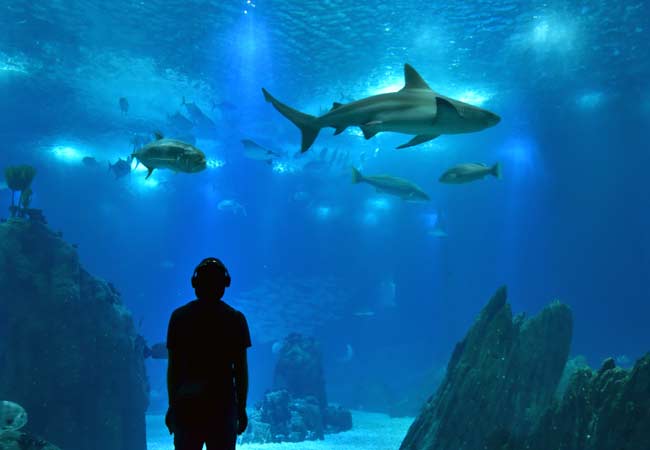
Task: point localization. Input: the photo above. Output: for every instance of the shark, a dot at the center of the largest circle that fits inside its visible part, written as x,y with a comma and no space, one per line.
415,110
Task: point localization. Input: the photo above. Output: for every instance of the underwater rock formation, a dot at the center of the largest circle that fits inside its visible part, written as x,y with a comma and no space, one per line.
296,409
68,347
300,369
604,410
506,389
15,440
500,376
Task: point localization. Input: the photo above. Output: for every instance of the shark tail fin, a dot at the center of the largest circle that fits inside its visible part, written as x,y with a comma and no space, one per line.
306,122
496,171
356,176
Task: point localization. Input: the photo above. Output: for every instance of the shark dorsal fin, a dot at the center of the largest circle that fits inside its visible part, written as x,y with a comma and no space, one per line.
336,105
158,135
413,80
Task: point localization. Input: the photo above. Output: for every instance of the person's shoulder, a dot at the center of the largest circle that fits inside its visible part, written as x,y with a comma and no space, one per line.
231,310
183,310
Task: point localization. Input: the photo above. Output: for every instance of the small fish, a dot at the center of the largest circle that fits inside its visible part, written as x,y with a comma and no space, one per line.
139,141
364,314
89,161
170,154
124,105
466,173
255,151
156,351
300,196
121,168
232,206
387,184
197,116
12,416
179,122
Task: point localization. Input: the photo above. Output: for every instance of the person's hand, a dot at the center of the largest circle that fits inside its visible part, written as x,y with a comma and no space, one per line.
242,421
169,421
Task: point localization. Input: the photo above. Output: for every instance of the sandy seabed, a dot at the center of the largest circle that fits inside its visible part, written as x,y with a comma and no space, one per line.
371,431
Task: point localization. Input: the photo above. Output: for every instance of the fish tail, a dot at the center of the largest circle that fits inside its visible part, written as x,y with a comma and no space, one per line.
306,122
496,171
356,176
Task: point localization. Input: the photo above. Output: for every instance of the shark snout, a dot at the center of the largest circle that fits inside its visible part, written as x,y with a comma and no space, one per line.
492,119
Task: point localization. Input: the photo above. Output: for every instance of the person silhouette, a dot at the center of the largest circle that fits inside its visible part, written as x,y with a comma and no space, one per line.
207,372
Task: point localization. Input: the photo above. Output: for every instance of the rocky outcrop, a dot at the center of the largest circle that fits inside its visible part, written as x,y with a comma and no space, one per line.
68,347
499,379
16,440
296,409
300,369
608,409
505,389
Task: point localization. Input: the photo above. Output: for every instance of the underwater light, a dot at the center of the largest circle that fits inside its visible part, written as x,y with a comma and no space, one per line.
590,100
323,212
540,32
394,84
379,204
215,163
370,218
279,167
474,97
67,153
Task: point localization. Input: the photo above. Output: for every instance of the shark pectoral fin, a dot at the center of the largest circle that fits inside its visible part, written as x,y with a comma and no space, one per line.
368,131
339,130
149,172
419,139
413,80
443,103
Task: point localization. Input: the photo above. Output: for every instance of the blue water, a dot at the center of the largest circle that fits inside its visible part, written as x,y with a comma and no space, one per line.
313,253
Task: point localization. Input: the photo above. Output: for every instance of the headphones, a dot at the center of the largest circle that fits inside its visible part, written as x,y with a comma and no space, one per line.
199,272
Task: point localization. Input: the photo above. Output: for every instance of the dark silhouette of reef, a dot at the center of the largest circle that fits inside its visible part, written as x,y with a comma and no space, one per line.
16,440
69,352
296,409
501,391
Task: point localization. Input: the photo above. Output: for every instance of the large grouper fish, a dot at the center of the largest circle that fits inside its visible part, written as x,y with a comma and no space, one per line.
170,154
416,110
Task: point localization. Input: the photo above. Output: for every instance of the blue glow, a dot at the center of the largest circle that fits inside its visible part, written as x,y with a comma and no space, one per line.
379,204
519,156
215,163
67,153
476,98
282,168
323,212
590,100
370,218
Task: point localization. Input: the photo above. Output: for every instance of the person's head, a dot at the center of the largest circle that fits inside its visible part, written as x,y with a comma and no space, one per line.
210,279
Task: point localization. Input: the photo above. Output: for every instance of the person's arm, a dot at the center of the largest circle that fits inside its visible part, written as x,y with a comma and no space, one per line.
241,378
172,376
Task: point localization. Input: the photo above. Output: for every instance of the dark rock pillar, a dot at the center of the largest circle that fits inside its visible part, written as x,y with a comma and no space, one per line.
499,379
68,348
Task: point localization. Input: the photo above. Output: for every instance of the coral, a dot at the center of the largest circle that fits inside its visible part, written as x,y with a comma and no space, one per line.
68,350
296,409
19,178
